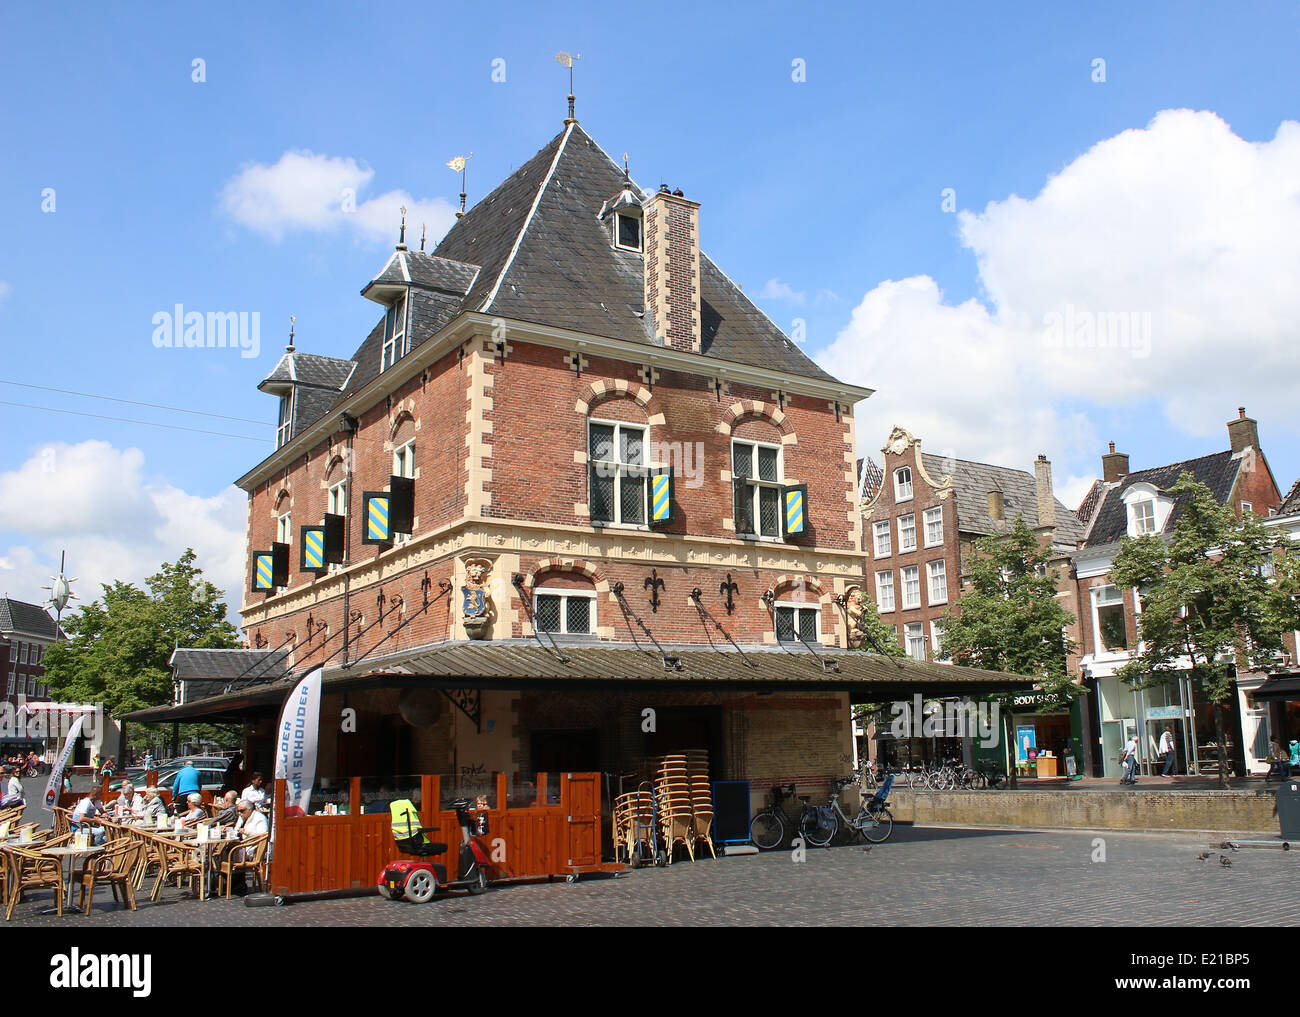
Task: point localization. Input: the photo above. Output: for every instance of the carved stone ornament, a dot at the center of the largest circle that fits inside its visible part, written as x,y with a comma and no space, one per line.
855,610
477,611
899,442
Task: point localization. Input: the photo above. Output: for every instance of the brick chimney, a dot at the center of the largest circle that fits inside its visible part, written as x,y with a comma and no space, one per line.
1114,465
1046,499
997,509
1243,431
672,269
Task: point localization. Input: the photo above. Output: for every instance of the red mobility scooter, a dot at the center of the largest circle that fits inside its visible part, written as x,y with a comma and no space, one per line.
420,881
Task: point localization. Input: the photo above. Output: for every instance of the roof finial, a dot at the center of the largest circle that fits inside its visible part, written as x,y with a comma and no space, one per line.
289,348
566,60
627,177
458,165
401,240
423,227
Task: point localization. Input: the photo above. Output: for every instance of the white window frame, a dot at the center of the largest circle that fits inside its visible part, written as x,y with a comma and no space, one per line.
901,486
936,521
22,652
284,430
883,529
936,639
757,485
618,243
565,595
336,498
403,466
1247,507
284,528
883,588
931,573
908,602
621,470
394,345
1144,517
1099,647
914,632
813,608
903,546
13,682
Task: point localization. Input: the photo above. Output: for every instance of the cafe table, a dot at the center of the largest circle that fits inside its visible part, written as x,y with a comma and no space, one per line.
204,847
66,853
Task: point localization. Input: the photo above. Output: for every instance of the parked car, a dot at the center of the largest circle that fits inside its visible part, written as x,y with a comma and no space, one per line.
136,774
210,778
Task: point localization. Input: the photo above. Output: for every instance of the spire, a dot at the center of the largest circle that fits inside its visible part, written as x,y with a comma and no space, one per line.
401,240
289,348
457,165
566,60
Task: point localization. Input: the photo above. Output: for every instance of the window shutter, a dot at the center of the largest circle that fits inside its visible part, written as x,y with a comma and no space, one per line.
335,538
794,515
263,572
374,517
661,497
279,564
401,506
311,549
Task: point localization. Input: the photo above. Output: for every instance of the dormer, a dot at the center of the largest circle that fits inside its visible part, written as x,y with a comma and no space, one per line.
1148,508
623,217
305,383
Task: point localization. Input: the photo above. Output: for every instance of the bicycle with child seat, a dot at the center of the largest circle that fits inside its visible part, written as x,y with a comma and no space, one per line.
816,825
873,822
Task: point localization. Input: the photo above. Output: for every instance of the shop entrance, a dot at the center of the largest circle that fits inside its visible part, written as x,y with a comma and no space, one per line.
564,751
679,728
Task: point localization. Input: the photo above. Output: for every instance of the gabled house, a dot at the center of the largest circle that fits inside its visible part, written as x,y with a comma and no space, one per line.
1125,503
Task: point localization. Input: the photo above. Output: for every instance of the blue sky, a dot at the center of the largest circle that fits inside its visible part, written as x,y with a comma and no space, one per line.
816,195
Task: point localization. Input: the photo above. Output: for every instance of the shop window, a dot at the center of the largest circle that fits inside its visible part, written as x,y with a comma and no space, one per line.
1108,620
794,618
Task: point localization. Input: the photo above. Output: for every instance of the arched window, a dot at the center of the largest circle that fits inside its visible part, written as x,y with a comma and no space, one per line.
903,484
565,604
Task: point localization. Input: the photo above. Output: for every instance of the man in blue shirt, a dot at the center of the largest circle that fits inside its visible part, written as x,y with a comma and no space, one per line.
186,783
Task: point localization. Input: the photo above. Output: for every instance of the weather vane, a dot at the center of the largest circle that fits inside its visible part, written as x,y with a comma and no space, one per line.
60,590
566,60
401,240
457,165
289,348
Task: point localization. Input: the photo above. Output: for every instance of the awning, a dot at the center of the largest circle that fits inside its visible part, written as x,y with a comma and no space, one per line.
1285,687
523,664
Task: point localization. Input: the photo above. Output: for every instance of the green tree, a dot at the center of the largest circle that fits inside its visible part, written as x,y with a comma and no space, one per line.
880,638
1207,595
1009,618
118,647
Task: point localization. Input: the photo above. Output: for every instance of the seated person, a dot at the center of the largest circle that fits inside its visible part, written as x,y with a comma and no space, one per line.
151,805
194,810
86,817
228,814
408,834
13,789
128,804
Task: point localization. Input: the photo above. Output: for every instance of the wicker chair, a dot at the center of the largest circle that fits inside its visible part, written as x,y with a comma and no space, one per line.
238,860
62,821
116,867
30,870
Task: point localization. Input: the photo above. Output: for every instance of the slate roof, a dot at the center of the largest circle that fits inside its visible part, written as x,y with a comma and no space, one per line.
1090,502
870,477
212,672
535,250
868,677
1291,503
972,483
1218,472
32,619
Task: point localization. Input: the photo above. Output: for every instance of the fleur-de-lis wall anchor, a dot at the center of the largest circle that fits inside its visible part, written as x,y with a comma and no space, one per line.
654,584
425,585
729,589
259,640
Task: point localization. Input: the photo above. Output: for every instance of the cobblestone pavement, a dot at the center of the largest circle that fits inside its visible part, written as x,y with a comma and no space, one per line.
921,876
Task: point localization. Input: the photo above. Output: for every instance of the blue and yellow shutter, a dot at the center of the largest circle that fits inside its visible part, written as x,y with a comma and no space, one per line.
375,518
661,497
311,554
263,572
794,514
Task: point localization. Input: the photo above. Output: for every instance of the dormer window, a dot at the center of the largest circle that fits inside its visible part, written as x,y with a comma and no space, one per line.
1148,508
627,232
394,347
285,431
1144,517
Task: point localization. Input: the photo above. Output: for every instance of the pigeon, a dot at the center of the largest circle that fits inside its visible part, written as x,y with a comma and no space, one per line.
1230,844
1202,856
1225,862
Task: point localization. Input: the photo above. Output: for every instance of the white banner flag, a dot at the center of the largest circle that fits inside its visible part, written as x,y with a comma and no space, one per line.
55,786
295,752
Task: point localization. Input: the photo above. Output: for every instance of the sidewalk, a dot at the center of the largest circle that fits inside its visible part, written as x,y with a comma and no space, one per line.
1195,783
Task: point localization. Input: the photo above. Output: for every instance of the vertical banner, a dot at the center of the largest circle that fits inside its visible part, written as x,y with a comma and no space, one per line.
55,785
295,750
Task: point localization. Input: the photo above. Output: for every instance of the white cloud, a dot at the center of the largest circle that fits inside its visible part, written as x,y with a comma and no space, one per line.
1182,223
320,193
94,501
775,289
4,289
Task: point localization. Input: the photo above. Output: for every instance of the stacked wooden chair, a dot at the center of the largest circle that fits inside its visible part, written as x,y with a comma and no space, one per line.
674,806
697,771
635,836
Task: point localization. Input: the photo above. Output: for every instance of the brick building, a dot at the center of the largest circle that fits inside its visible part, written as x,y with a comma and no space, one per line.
572,475
1129,504
920,524
26,631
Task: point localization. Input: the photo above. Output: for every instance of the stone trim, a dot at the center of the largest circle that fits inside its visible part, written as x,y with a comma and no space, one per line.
774,415
612,388
478,397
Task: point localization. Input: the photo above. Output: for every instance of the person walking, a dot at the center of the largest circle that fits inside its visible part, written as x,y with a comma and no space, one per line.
1168,754
187,782
1130,758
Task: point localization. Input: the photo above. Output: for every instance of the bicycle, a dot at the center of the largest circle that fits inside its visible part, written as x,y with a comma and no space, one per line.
767,828
874,822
